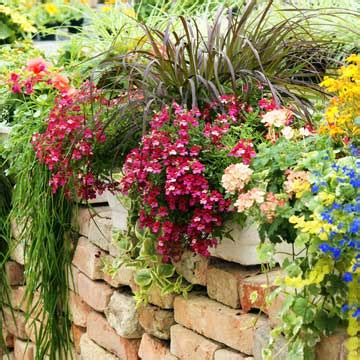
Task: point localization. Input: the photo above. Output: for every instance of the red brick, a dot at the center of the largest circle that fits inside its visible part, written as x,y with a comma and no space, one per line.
24,350
188,345
154,349
77,333
218,322
15,273
260,285
79,309
88,258
17,327
193,267
104,335
223,280
97,294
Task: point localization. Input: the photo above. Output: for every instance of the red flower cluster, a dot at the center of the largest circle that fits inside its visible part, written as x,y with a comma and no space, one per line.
177,202
67,145
37,72
245,150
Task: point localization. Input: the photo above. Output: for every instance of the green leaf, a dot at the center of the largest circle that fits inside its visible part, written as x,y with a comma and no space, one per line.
303,308
5,31
143,277
166,270
301,240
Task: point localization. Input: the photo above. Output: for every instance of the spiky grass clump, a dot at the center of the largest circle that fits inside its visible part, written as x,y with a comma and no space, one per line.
45,220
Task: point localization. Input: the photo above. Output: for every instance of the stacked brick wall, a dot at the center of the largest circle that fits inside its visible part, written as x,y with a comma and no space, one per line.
224,318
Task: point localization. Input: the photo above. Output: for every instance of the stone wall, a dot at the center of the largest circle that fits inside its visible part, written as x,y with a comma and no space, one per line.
224,318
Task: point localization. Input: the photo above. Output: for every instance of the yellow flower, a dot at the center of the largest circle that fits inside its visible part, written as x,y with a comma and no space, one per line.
51,9
344,108
129,11
18,19
316,275
106,8
326,198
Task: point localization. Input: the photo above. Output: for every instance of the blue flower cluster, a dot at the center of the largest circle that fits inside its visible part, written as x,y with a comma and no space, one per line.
344,215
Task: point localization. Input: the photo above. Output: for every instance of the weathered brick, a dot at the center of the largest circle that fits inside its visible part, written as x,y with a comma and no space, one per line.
32,327
84,215
259,285
122,315
8,338
154,349
92,351
228,354
15,322
114,250
73,279
17,295
223,280
155,297
261,341
97,294
77,332
156,321
88,259
79,309
273,310
15,273
18,253
9,356
188,345
20,302
104,335
16,228
193,267
24,350
100,232
123,276
218,322
333,347
119,213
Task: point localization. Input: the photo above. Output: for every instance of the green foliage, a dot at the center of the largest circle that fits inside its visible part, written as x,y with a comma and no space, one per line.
138,251
322,282
45,223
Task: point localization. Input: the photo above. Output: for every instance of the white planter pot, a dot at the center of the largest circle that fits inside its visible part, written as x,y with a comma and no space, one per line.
242,249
